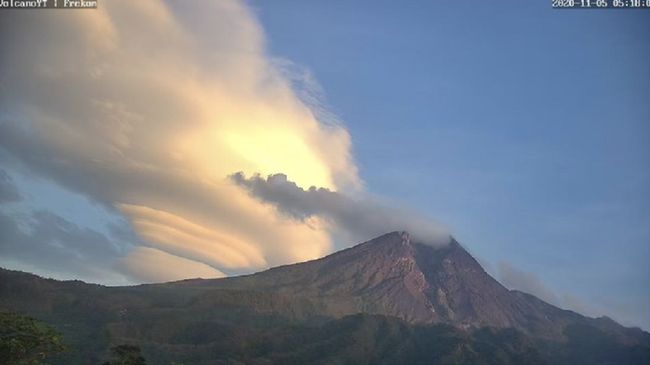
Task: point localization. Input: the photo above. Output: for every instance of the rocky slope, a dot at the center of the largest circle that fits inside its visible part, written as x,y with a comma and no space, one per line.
381,296
392,275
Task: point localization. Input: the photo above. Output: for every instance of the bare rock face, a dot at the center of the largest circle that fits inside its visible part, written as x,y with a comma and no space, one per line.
392,275
380,276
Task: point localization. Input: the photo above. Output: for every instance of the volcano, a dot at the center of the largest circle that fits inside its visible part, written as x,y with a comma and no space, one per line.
394,276
388,294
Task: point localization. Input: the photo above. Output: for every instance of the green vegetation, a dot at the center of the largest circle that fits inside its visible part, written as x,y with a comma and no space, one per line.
360,339
26,341
126,355
173,324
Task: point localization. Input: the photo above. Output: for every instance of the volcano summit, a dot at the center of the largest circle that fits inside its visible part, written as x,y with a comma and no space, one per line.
387,300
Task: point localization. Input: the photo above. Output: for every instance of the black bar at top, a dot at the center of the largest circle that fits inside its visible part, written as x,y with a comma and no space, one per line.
48,4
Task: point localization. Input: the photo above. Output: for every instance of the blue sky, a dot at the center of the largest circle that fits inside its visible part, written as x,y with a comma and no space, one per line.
523,128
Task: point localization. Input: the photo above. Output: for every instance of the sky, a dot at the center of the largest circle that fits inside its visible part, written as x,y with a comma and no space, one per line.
162,140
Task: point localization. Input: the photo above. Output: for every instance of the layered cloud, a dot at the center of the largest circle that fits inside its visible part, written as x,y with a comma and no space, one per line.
145,263
43,242
147,107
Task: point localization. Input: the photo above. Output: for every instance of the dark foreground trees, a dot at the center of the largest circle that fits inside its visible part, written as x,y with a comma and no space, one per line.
26,341
126,355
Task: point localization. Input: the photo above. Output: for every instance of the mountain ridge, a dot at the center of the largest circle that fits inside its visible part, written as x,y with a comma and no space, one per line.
395,276
359,288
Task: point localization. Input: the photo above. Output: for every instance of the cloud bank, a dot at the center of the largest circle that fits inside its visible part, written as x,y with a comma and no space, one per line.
146,107
46,243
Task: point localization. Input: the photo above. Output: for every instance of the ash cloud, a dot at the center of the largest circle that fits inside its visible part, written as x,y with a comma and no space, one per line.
353,219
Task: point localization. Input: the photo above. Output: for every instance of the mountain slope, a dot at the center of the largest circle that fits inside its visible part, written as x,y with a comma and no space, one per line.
380,296
391,275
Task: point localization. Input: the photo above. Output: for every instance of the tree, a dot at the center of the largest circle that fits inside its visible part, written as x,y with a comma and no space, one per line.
126,355
26,341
